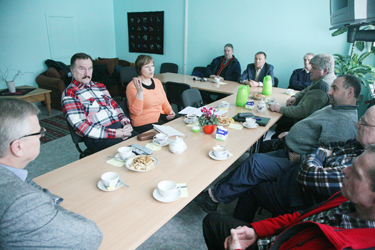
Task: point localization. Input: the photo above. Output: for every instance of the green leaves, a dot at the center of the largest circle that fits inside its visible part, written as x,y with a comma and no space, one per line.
339,31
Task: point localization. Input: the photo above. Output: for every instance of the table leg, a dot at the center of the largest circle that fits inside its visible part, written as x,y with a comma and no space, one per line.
48,102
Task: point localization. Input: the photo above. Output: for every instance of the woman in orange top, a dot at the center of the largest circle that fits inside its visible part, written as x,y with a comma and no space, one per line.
147,100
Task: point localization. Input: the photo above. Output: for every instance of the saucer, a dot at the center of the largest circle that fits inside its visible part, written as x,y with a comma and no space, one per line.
103,188
211,154
244,124
118,157
162,145
160,198
186,120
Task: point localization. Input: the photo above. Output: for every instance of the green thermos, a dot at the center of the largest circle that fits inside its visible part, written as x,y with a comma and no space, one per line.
267,85
242,95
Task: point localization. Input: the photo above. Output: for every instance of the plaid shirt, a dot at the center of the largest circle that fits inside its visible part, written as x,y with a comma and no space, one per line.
335,217
89,108
323,175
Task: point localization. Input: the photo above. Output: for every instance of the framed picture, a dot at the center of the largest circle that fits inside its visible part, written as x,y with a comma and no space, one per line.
146,32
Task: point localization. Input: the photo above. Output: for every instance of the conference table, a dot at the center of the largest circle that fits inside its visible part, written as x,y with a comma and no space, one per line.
128,216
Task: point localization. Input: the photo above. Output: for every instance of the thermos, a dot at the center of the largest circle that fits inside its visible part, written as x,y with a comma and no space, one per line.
242,95
267,85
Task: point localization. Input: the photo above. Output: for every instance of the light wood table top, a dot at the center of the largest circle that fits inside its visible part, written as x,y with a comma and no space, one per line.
229,87
128,216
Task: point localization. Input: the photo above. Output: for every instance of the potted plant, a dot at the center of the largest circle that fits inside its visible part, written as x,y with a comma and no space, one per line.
4,77
208,120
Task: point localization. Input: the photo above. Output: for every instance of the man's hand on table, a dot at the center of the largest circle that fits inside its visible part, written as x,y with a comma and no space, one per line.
240,238
291,101
275,108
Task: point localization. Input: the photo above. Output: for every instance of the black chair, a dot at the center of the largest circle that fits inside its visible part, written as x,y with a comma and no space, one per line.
276,81
192,98
174,91
200,69
168,67
124,107
127,74
78,139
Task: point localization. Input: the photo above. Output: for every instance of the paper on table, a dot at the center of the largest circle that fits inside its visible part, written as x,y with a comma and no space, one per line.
116,163
197,111
235,126
153,147
184,192
167,130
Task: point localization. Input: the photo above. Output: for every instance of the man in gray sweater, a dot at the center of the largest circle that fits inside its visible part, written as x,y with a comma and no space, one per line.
30,216
311,99
332,123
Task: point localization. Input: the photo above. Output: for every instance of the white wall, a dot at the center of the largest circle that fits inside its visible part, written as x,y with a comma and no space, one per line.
24,40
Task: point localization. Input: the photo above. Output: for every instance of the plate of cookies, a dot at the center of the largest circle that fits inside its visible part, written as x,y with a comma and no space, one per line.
141,163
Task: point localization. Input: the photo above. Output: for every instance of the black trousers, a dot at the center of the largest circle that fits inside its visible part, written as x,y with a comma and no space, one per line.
216,227
281,196
95,145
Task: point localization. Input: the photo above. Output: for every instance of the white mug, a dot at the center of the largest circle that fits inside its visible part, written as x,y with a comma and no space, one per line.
125,152
161,138
216,79
271,101
250,122
220,152
290,91
167,188
110,179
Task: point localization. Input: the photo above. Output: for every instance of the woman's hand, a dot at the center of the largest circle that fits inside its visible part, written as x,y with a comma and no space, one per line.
171,115
139,87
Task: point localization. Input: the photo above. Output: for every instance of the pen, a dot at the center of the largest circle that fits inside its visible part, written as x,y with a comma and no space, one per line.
258,119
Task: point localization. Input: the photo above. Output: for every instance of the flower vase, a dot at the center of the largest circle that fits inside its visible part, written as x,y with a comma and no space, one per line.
209,129
11,86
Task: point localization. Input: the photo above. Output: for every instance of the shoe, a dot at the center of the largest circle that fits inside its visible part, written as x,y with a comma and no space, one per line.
205,202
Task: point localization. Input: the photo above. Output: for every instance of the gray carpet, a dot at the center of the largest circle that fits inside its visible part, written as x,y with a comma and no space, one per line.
183,231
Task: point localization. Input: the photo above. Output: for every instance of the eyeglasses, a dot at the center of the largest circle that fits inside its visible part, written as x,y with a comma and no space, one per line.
42,133
364,124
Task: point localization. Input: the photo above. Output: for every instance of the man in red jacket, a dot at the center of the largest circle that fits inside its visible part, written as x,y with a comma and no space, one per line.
346,220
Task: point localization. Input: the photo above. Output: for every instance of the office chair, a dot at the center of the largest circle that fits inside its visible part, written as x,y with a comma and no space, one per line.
174,91
78,139
192,98
201,70
126,74
168,67
276,81
124,107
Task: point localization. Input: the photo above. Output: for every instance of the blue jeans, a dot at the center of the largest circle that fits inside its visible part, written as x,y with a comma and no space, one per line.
257,168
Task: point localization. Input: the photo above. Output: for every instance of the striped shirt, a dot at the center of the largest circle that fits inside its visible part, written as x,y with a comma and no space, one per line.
90,109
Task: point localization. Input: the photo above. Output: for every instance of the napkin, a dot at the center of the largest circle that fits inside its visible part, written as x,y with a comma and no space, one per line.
192,124
116,163
236,126
153,147
221,83
184,192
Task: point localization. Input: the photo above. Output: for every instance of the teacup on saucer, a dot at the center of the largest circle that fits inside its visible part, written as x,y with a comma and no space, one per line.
157,143
253,126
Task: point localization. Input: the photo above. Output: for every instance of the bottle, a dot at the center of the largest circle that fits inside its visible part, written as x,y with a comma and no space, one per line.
242,95
267,85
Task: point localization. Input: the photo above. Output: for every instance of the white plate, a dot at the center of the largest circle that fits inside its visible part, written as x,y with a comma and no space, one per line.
226,124
161,145
185,120
160,198
118,157
103,188
130,161
244,124
257,98
211,154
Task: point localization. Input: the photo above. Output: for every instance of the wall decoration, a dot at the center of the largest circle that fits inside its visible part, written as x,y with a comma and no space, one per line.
146,32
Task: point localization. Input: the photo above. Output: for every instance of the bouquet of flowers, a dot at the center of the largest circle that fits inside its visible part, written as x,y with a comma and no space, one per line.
208,117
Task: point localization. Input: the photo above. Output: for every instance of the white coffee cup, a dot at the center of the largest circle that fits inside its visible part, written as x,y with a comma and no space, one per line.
250,122
167,188
216,79
290,91
125,152
110,179
191,118
224,104
271,101
161,138
220,152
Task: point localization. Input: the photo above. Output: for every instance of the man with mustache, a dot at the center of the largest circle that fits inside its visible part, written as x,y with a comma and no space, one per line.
90,109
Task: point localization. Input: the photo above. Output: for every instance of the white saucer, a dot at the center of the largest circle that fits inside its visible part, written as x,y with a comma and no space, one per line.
162,145
118,157
103,188
211,154
221,107
186,120
256,125
160,198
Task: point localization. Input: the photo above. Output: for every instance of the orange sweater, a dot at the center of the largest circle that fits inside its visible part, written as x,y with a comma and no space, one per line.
148,110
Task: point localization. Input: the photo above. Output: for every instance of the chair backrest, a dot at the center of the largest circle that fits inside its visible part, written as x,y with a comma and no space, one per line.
276,81
174,91
192,98
124,107
168,67
78,139
200,69
127,74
